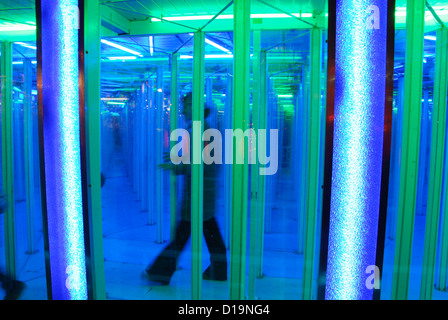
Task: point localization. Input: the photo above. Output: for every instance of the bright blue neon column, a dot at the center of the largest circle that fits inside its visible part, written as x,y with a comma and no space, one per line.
361,38
61,144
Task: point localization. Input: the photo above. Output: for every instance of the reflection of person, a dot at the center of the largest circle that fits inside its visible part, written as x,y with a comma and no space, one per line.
12,287
165,264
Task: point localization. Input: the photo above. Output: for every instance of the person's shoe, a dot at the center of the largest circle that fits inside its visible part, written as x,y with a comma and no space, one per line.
214,275
14,290
156,279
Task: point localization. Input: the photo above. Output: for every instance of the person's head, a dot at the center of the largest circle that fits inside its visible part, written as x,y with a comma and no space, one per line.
187,103
187,109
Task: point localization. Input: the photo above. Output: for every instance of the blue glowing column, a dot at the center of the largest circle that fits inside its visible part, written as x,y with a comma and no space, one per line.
60,135
360,83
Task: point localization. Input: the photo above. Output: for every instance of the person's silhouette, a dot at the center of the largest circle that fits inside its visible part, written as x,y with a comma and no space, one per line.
165,264
12,287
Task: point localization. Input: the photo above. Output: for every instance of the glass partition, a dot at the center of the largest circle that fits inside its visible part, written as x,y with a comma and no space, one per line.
421,214
29,248
136,193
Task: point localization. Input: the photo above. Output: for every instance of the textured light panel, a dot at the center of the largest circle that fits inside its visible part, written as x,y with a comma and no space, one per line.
360,83
60,90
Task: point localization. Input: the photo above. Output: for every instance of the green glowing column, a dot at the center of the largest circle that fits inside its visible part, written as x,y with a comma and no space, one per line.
240,172
197,172
436,175
92,63
29,154
7,156
410,147
313,160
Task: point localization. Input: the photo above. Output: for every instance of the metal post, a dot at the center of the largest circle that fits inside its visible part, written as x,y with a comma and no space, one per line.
92,63
209,100
152,200
8,157
304,133
395,161
410,147
313,157
423,165
436,169
29,154
240,171
197,165
261,178
144,146
270,180
443,261
174,113
228,167
254,172
159,153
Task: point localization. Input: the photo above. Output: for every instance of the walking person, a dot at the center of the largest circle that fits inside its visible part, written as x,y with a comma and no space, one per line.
12,287
164,266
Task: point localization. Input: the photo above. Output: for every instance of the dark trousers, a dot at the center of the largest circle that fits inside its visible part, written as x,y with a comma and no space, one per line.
164,266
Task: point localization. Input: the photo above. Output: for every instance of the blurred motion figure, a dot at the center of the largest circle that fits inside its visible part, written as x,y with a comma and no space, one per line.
164,266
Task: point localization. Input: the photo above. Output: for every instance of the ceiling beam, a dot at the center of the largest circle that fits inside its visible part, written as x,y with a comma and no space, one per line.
114,21
147,27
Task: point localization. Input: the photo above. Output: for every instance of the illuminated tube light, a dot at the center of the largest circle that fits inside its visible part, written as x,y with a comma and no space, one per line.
218,56
21,62
230,16
61,146
359,104
122,58
114,99
115,45
21,27
210,42
151,45
23,44
209,56
432,38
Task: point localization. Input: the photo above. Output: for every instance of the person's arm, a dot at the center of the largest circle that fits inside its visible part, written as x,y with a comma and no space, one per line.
179,169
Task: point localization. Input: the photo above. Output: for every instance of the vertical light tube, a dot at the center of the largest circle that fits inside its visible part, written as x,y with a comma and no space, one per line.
360,83
59,111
